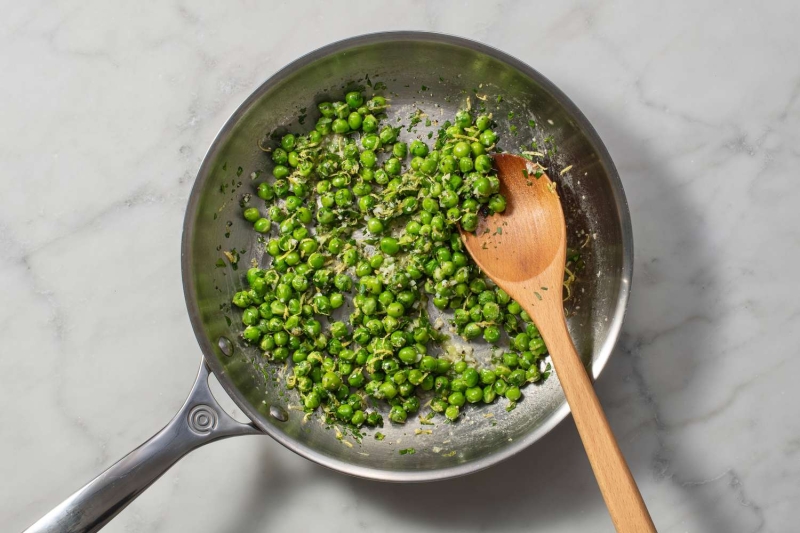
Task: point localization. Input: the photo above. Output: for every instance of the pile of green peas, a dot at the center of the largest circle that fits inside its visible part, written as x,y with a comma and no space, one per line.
355,214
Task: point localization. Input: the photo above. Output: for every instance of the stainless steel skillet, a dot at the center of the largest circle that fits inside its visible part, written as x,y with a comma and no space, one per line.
436,73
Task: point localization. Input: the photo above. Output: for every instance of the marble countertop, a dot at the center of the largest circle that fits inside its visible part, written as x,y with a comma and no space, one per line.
106,110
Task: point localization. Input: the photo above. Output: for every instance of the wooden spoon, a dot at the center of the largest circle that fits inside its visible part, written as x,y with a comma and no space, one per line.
523,250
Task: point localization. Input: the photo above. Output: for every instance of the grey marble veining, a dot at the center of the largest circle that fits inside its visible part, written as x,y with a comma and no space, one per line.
107,109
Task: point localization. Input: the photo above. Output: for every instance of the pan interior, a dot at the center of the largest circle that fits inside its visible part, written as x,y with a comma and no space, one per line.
436,74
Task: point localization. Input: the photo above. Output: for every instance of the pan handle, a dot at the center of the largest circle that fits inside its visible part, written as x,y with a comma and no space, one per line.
201,420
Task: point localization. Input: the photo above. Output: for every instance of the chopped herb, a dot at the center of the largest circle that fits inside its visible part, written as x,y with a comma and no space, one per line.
380,86
510,115
424,88
379,436
499,98
220,263
532,123
239,171
408,451
538,296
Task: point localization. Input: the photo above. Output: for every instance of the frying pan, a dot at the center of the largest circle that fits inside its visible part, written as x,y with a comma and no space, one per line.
438,74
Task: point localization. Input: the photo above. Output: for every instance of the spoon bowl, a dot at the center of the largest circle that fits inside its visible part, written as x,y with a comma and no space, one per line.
529,238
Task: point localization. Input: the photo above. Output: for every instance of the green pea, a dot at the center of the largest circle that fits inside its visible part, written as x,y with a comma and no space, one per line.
262,225
533,374
510,359
326,109
439,405
447,164
251,214
513,393
411,404
331,381
388,245
344,412
374,226
356,379
251,334
392,166
400,150
489,394
337,300
472,330
250,316
428,364
471,377
368,158
461,149
369,124
388,135
265,191
354,121
395,310
497,203
398,415
487,137
456,398
469,222
312,401
408,355
517,377
428,166
474,394
241,299
354,99
491,334
415,376
370,141
452,412
400,378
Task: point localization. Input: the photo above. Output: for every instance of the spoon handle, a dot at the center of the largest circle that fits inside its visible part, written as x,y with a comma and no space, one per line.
623,499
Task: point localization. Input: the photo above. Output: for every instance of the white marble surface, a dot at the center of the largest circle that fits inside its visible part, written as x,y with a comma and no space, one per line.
106,109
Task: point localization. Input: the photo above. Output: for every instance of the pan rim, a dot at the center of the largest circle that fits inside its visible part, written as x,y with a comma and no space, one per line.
204,173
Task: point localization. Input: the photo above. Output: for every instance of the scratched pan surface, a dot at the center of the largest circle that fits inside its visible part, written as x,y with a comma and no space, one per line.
436,74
